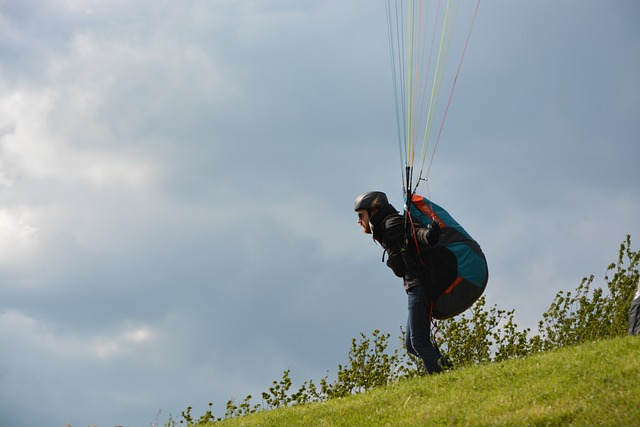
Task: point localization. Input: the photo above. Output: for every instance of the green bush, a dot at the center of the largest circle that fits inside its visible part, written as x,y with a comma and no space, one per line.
590,316
482,336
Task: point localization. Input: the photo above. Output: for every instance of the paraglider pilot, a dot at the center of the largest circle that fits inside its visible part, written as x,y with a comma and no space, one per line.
378,217
634,314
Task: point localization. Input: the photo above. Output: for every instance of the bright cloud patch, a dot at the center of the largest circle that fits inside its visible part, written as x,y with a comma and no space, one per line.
18,237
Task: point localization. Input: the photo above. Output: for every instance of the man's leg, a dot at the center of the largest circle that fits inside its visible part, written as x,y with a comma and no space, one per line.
419,331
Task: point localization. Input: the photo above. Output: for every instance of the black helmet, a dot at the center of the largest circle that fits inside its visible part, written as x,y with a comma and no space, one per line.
371,199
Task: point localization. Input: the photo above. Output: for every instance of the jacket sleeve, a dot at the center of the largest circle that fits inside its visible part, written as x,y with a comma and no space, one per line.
394,234
393,243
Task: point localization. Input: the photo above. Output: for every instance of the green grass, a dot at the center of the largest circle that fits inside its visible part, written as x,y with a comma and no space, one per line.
596,384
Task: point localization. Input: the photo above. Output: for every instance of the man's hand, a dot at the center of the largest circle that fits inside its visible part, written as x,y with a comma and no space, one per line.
396,263
434,233
429,234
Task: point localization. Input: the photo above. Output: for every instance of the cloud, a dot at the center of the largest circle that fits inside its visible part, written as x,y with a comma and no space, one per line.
17,236
40,144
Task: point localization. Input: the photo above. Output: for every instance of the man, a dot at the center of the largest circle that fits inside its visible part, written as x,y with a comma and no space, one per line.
379,218
634,314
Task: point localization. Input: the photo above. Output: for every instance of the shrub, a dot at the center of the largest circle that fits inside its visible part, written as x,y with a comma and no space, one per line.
590,316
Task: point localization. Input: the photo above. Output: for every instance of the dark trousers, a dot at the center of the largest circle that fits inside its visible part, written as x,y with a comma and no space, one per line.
418,337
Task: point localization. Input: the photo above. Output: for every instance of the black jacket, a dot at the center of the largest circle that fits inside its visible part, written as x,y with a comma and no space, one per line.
409,258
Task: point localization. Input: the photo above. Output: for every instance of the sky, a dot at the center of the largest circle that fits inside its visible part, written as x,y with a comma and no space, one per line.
177,182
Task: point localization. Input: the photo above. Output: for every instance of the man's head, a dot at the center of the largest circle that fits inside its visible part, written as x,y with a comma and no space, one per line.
366,205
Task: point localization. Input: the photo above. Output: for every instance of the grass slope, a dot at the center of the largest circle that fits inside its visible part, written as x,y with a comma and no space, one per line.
596,384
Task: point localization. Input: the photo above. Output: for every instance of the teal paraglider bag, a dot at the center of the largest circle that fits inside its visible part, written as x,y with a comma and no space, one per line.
469,280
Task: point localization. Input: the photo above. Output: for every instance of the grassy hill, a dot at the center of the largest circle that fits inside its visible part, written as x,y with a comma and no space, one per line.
596,384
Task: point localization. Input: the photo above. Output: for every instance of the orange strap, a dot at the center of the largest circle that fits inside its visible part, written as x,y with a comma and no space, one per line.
453,285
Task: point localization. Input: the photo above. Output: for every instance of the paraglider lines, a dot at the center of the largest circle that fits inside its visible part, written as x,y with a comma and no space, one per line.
413,29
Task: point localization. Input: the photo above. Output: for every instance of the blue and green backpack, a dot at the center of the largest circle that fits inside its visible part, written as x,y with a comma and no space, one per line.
456,272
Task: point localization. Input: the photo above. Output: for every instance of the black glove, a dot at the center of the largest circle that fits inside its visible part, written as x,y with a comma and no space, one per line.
429,234
396,263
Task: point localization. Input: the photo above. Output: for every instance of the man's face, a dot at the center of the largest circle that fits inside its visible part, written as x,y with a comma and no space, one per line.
363,220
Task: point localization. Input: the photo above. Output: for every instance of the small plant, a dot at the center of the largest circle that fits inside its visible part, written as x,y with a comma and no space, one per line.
277,395
207,418
244,408
370,366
